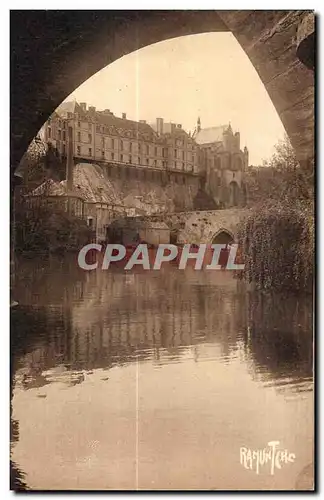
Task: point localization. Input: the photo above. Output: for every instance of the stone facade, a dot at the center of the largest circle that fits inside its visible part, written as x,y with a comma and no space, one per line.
223,163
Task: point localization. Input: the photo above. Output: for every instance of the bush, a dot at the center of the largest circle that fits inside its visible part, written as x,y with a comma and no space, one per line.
278,247
41,230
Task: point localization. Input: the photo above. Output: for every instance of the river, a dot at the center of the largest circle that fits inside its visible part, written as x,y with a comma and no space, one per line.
157,380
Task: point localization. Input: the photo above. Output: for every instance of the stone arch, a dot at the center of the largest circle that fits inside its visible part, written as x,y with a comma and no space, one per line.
223,236
267,37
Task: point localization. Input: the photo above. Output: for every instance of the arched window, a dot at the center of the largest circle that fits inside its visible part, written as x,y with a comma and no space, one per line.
238,163
223,237
234,194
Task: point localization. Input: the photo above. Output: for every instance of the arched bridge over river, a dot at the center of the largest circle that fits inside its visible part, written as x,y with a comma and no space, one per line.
206,226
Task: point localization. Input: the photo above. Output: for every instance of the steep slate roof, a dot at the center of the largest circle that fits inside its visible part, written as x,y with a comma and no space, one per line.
116,126
92,186
211,134
89,184
111,120
69,107
49,188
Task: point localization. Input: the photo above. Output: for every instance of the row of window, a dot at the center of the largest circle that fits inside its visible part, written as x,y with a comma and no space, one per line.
148,174
61,135
125,159
177,153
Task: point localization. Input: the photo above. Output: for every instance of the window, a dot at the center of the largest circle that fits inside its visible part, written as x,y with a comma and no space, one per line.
130,146
139,160
112,156
64,135
183,155
183,166
89,137
102,153
63,149
147,161
175,153
112,143
121,157
90,222
79,124
155,163
147,149
78,150
64,124
139,148
89,126
79,137
121,145
130,159
49,131
97,128
155,151
59,134
90,151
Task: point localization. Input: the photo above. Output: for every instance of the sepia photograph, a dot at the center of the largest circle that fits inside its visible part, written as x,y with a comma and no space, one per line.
162,250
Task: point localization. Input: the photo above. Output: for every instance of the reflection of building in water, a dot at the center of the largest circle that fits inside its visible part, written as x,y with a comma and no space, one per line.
109,318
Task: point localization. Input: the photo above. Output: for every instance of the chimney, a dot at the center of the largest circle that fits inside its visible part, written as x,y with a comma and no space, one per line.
83,106
142,121
159,125
124,116
69,160
173,127
92,109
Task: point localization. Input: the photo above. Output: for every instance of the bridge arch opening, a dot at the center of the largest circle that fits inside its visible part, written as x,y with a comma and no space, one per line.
103,38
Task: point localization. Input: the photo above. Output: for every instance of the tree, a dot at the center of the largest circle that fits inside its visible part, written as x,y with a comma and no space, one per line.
40,162
281,178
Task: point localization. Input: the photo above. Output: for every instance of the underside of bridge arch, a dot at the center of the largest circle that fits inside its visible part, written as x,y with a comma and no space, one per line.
53,52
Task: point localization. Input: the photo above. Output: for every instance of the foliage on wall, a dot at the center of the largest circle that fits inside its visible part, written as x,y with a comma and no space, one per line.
278,237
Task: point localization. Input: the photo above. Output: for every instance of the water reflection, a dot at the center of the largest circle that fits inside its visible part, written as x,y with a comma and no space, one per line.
191,341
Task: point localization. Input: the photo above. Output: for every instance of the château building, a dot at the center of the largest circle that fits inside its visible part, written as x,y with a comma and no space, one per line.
209,163
102,136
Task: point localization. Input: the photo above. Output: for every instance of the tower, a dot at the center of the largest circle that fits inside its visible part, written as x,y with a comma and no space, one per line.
227,138
198,124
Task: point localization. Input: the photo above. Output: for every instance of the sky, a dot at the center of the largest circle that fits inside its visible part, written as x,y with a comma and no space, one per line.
207,75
